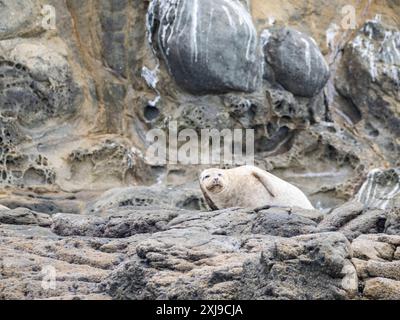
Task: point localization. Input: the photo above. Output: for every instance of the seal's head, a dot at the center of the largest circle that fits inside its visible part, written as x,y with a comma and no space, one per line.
213,180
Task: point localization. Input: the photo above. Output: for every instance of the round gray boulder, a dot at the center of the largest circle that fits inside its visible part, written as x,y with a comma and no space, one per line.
295,61
209,46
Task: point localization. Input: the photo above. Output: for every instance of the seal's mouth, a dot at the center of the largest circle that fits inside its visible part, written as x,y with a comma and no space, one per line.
215,187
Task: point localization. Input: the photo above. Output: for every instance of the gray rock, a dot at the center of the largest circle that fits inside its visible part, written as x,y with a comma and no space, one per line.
193,265
120,225
341,216
295,62
352,219
209,46
368,79
279,222
392,225
305,267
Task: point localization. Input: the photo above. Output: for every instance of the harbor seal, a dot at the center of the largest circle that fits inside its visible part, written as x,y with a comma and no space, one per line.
249,187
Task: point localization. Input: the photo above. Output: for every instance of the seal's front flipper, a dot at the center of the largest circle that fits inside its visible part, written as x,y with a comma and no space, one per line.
265,181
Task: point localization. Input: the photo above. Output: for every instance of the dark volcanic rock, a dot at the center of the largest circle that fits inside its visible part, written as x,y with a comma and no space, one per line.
392,225
120,225
353,219
210,46
295,61
369,79
279,222
304,267
22,216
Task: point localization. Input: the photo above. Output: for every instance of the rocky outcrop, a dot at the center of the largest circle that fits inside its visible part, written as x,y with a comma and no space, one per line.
369,80
147,252
78,98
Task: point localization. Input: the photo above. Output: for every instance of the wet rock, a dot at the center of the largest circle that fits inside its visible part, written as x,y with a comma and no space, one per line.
295,62
209,46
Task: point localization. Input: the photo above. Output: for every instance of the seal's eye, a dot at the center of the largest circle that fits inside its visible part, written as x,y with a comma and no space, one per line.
206,177
219,174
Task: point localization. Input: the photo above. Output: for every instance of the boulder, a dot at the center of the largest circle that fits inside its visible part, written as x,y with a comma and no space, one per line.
37,82
209,46
294,60
368,79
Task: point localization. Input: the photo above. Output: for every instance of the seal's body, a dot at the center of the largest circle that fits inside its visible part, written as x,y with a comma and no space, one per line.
249,187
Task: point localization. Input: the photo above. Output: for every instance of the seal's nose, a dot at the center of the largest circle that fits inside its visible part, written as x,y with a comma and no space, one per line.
215,180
